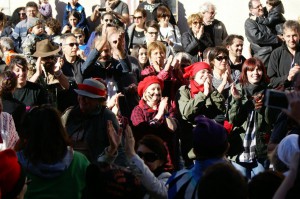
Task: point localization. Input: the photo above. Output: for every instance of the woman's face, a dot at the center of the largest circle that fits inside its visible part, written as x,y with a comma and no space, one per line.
152,94
254,76
73,21
143,58
201,76
150,158
220,62
157,56
164,19
138,18
196,25
22,15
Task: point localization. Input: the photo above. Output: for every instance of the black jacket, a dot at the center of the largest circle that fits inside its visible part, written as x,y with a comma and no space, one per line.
280,63
192,45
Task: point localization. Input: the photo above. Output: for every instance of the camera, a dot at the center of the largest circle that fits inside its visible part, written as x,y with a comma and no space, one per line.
276,99
102,9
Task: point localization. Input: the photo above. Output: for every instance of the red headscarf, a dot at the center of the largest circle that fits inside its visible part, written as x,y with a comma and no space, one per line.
190,73
147,81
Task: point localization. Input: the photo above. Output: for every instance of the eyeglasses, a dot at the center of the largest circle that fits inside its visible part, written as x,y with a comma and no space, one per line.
153,33
165,15
259,6
220,58
22,13
197,22
148,157
139,17
108,20
72,44
78,36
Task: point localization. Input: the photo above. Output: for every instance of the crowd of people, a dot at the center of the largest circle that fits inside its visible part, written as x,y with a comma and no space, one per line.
118,107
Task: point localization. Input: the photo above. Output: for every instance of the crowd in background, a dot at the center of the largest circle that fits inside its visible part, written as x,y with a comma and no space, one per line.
118,106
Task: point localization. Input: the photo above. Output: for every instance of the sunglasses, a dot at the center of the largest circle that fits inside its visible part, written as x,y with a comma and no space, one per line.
22,13
108,20
78,36
72,44
196,22
153,33
220,58
139,17
165,15
148,157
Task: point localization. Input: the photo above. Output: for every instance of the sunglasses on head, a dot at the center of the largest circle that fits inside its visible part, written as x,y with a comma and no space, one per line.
220,58
72,44
148,157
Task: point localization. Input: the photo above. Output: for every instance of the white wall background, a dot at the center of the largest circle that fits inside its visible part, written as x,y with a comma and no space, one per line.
232,13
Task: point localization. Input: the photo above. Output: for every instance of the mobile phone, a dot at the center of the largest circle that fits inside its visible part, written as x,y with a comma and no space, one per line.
276,99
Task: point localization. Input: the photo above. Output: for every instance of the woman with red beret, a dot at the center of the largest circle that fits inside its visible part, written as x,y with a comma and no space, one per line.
153,114
197,98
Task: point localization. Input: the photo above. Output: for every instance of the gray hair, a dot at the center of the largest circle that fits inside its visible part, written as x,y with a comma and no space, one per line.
205,7
7,43
184,56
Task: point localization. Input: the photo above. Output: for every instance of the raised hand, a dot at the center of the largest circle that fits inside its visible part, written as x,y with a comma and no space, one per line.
114,138
234,92
129,142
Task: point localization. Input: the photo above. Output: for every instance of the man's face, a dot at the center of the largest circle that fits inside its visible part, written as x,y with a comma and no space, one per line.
236,48
70,47
291,38
105,54
209,16
87,104
151,34
257,8
48,63
31,11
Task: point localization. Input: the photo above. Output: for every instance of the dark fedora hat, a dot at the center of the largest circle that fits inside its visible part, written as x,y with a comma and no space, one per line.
44,48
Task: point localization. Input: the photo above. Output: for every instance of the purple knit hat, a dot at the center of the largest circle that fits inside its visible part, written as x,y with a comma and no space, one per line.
209,138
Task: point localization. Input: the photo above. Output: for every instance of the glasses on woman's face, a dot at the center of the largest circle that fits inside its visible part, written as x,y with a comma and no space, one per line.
220,58
165,15
148,157
195,23
137,17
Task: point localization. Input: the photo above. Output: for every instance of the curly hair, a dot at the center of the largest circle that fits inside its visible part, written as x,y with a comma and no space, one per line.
54,25
8,82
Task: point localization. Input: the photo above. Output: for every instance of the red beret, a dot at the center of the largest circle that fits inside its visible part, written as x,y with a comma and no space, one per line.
12,176
191,70
147,81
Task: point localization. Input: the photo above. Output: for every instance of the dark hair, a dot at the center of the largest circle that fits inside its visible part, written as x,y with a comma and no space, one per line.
222,180
32,4
265,184
229,39
54,25
45,138
135,51
156,145
250,65
161,11
75,14
215,52
273,3
8,81
152,24
17,60
15,17
141,10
